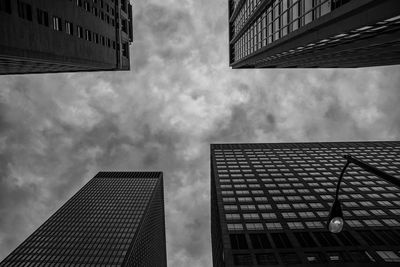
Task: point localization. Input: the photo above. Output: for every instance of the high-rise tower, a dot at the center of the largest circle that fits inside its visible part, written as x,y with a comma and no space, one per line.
64,36
270,203
116,219
313,33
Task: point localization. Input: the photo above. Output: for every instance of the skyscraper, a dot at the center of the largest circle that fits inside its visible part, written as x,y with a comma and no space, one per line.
64,36
116,219
270,203
313,33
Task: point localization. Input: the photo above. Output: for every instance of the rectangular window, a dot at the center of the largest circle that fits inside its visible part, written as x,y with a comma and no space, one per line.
5,5
266,259
42,17
281,240
305,239
69,28
88,35
79,31
242,259
57,26
389,256
260,241
371,238
24,10
125,49
238,241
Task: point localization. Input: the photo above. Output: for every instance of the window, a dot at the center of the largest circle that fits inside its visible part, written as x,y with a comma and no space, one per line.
260,241
79,31
235,226
264,206
242,259
238,241
361,256
232,216
295,225
361,213
354,223
42,17
290,258
307,214
372,223
316,205
57,26
378,212
305,239
347,239
389,256
266,259
315,257
247,207
289,215
326,239
314,225
88,35
281,240
125,49
391,237
244,199
371,238
391,222
283,206
69,28
254,226
230,207
5,5
24,10
273,226
268,216
251,216
338,256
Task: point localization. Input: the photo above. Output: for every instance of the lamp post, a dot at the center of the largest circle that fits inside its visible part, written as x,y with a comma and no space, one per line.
335,218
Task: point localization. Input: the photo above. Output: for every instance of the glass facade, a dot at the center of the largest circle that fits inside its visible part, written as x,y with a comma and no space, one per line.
256,26
109,222
288,190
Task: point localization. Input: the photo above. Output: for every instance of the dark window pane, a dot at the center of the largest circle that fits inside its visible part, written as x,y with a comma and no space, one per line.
347,239
266,259
391,237
326,239
315,257
260,241
371,238
281,240
289,258
238,241
359,256
242,259
305,239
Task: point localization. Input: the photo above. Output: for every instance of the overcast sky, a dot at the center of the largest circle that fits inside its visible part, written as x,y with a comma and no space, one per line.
57,131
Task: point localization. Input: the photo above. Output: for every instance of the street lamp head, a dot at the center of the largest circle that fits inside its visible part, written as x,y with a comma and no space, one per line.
336,225
335,219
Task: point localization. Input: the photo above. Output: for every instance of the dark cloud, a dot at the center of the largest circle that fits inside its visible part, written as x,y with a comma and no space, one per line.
57,131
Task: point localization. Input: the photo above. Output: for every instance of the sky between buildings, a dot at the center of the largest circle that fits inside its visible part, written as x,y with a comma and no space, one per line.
57,131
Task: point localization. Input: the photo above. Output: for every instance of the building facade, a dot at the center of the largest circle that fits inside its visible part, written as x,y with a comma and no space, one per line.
270,204
313,33
46,36
116,219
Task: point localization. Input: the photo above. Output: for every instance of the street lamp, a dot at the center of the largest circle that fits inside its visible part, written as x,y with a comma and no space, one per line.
335,219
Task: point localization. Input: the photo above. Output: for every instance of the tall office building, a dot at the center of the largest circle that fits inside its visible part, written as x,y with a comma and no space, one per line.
116,219
313,33
64,36
270,202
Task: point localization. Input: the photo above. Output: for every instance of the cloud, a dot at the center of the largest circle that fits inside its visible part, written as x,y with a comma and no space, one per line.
57,131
